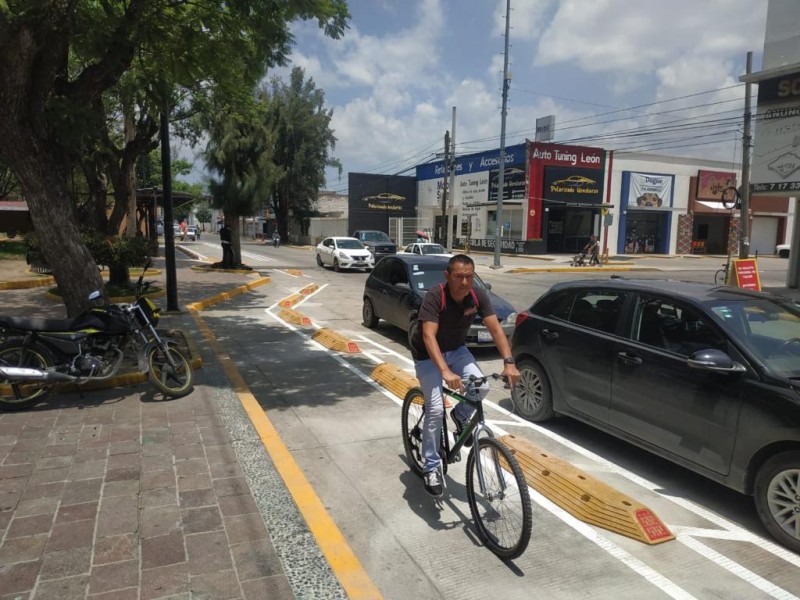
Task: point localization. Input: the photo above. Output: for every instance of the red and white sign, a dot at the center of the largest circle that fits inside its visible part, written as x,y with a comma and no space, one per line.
745,274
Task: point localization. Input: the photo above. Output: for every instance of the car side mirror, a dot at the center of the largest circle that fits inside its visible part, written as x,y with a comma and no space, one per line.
487,285
714,360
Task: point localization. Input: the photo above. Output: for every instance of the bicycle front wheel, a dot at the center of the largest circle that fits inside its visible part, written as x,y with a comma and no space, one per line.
502,506
721,276
413,417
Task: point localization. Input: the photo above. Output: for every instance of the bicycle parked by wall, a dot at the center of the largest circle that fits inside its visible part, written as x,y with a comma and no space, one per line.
721,275
496,489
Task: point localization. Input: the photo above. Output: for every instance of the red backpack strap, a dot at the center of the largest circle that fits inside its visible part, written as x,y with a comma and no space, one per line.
474,297
472,293
441,306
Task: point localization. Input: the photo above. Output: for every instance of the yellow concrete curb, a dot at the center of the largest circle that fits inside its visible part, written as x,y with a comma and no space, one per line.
205,269
24,284
113,299
221,297
294,272
292,316
585,497
335,341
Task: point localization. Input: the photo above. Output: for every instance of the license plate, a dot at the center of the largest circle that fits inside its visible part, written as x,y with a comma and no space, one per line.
484,336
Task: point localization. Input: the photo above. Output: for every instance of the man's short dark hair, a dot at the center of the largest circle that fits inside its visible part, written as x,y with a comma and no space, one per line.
459,259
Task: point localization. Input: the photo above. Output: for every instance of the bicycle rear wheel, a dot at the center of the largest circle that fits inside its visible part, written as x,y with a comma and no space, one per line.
721,276
502,510
413,417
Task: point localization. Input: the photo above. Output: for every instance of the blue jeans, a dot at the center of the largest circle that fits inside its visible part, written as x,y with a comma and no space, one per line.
461,362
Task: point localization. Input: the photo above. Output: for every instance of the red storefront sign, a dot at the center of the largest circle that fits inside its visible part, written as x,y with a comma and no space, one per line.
541,155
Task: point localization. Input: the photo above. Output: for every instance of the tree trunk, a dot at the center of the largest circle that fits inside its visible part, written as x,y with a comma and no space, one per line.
232,220
52,213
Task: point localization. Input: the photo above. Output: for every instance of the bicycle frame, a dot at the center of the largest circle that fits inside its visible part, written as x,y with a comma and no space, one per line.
475,425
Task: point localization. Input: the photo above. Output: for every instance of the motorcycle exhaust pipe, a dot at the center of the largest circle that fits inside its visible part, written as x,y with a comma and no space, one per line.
25,374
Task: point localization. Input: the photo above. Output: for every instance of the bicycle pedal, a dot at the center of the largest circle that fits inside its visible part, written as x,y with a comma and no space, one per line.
455,458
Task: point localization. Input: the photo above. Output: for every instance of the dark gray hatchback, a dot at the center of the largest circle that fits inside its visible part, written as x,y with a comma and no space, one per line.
705,376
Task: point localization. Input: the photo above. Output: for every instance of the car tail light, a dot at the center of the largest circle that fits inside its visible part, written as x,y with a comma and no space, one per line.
521,318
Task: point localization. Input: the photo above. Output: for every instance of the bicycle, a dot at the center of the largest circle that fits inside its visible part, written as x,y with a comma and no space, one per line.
496,489
721,276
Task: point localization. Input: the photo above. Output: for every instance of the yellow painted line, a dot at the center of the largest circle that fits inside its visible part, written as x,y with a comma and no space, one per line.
342,560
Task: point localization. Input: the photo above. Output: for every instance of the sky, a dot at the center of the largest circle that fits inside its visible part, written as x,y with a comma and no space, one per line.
639,75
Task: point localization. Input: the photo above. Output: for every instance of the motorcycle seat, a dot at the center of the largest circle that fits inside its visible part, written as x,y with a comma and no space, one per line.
36,324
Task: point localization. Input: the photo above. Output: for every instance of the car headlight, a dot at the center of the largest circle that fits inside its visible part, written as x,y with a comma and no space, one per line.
511,319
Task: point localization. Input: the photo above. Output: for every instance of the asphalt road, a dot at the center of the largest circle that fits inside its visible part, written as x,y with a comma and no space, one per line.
344,431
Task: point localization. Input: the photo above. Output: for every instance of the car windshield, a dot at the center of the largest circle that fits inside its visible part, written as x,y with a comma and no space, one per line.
349,244
375,236
424,277
433,249
768,329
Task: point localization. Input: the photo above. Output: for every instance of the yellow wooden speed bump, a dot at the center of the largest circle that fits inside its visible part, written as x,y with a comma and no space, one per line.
290,301
335,341
295,272
394,379
585,497
292,316
309,289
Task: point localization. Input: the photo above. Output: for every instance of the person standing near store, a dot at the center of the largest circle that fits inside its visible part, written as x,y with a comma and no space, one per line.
227,249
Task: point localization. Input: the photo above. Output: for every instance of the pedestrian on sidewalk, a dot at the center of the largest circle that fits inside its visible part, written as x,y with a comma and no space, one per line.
227,250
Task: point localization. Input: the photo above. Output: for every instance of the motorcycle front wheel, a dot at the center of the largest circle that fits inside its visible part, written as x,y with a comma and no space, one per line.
19,396
170,371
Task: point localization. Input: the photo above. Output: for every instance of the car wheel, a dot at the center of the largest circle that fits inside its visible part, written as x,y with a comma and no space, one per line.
336,265
368,316
777,498
532,396
319,261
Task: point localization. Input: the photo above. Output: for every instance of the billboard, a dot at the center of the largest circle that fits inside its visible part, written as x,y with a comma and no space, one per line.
373,199
647,190
711,183
775,166
573,185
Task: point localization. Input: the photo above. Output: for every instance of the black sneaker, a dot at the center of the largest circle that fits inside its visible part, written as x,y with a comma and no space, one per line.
433,483
460,426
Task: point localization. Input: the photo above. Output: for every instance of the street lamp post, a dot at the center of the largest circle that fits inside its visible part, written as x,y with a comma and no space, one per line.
498,238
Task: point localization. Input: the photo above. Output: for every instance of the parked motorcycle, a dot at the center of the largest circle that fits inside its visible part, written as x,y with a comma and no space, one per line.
36,354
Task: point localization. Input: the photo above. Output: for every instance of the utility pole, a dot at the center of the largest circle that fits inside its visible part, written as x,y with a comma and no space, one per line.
452,167
444,183
169,235
747,142
498,238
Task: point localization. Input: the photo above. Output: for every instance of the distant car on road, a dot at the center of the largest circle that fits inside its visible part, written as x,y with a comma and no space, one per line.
782,250
395,289
192,233
376,242
707,377
427,249
344,253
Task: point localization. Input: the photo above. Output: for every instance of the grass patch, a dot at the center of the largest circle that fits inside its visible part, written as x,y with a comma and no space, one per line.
12,250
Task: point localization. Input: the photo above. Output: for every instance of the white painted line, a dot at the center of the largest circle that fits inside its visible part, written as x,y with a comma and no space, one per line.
736,569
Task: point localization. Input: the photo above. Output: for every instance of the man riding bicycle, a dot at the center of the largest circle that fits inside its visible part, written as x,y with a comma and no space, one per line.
439,352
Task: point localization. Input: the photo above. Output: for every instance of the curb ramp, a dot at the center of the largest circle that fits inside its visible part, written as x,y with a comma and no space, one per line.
292,316
237,291
335,341
585,497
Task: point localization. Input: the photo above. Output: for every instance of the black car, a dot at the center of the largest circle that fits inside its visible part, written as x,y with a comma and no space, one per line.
395,289
705,376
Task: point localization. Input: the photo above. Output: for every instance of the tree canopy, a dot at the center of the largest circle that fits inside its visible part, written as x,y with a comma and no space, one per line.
59,62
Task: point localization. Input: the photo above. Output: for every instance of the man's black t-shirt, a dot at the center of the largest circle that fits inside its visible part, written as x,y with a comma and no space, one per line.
454,320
